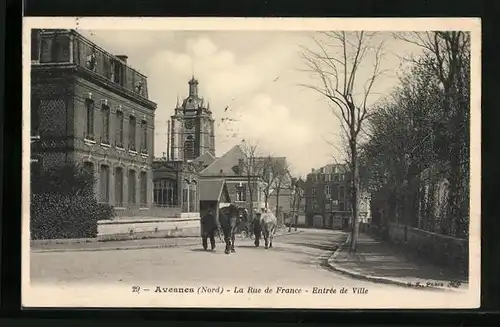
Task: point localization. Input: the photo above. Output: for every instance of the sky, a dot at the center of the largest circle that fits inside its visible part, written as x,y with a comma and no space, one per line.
258,76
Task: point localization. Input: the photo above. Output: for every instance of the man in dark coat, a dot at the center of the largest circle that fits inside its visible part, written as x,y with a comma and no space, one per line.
209,226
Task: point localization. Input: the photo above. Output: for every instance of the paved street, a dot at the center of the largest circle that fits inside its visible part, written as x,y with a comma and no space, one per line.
294,258
103,278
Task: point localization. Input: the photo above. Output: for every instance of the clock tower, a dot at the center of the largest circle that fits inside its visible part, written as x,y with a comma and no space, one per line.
192,127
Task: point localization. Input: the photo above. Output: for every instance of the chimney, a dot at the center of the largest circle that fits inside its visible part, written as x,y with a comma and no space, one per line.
312,170
122,58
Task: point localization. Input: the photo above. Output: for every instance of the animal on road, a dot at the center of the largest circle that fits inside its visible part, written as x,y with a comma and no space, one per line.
229,221
265,224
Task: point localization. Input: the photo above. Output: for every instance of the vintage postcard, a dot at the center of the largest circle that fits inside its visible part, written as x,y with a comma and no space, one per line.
251,163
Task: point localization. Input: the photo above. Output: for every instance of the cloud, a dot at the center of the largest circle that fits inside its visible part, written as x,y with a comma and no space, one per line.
278,132
239,83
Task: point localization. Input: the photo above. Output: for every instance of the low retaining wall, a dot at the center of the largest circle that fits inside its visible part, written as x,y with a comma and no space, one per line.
127,228
157,212
440,249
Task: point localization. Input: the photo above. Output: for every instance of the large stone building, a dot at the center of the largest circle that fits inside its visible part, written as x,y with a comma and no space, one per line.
88,106
190,149
192,127
327,197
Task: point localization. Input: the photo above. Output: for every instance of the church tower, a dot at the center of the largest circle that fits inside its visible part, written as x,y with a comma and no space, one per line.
192,127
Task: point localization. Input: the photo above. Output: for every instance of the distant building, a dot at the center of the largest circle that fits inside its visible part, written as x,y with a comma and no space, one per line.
326,196
289,205
328,201
90,107
192,127
232,168
190,149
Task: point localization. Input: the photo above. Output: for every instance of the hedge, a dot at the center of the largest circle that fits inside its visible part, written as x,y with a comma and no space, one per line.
56,216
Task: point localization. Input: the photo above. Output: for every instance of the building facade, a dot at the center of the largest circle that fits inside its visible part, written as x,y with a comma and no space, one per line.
192,127
176,185
328,200
326,197
231,167
88,106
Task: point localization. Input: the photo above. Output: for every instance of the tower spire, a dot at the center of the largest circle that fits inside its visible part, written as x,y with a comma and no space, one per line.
177,104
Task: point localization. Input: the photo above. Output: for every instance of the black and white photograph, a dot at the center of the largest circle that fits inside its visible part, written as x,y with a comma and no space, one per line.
251,163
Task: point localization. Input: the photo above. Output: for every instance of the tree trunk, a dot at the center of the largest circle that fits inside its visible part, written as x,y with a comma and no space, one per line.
293,213
278,206
355,199
250,202
296,218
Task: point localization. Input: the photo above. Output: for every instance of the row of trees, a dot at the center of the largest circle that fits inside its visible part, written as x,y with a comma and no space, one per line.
419,146
274,172
424,124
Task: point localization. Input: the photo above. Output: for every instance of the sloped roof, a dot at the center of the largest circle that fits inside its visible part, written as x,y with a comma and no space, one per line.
207,158
211,190
225,163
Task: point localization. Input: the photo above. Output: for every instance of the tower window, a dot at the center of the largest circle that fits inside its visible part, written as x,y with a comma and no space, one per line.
189,148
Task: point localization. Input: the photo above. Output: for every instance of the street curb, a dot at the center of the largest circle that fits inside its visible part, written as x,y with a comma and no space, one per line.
376,279
138,247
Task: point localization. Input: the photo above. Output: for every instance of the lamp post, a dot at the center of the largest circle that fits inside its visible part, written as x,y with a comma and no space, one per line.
189,181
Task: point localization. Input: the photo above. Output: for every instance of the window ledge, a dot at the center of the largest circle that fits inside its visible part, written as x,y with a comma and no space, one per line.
144,155
120,208
105,145
143,208
120,148
132,152
89,141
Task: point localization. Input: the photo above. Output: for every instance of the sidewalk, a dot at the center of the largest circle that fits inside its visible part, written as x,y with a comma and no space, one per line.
89,244
378,262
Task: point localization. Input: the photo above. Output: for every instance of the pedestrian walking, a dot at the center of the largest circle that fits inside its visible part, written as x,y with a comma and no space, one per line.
209,226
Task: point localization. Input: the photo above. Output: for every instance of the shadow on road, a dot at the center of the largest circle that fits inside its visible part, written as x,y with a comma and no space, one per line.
326,246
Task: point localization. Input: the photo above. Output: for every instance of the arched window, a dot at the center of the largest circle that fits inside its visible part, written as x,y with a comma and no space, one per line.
189,148
165,193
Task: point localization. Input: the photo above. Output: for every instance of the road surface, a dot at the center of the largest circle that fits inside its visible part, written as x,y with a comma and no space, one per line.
295,260
295,257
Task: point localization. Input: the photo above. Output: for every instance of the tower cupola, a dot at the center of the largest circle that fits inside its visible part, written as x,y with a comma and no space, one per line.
193,87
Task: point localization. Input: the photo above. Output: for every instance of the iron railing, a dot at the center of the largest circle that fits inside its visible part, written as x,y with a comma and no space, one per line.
68,46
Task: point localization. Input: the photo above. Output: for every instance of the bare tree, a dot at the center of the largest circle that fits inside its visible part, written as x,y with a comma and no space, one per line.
268,176
338,72
297,194
282,172
251,170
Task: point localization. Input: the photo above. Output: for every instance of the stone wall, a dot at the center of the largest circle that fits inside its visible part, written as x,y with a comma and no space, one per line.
187,225
440,249
155,212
